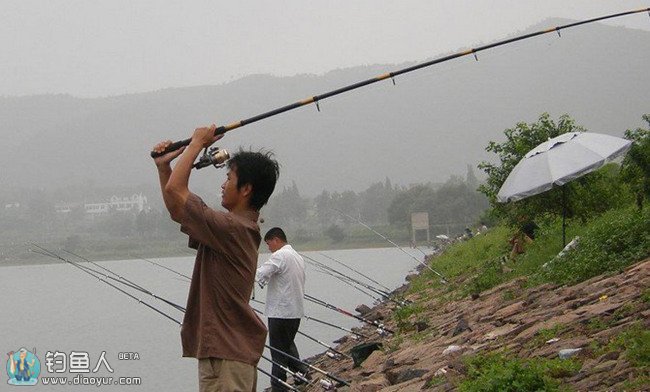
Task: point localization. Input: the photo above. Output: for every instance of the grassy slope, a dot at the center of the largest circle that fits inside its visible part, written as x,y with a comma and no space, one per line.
608,243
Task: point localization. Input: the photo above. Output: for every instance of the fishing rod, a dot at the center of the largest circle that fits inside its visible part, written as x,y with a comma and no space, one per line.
296,375
88,270
167,268
343,279
284,383
444,280
321,371
354,270
133,285
386,294
323,322
381,329
351,282
338,353
346,278
125,281
56,256
212,157
120,279
140,288
329,347
356,334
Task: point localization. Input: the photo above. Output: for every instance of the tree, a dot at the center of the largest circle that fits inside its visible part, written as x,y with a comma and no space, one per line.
324,212
415,199
374,202
287,209
584,197
335,233
636,166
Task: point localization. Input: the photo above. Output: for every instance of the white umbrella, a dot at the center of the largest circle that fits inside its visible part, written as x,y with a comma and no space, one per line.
558,161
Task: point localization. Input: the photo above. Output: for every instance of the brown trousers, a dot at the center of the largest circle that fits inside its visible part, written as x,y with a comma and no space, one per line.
223,375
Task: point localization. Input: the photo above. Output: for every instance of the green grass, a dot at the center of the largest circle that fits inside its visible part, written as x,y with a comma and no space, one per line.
609,243
403,315
477,257
495,372
634,341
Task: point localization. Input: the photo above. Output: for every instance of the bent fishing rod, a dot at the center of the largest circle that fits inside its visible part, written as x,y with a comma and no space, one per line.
214,155
98,275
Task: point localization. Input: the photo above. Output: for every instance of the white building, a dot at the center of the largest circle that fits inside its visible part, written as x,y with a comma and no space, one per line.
135,204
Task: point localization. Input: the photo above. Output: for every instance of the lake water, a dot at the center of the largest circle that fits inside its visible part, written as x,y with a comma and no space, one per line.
58,308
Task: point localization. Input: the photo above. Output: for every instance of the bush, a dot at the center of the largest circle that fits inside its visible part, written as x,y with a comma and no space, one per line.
610,243
495,372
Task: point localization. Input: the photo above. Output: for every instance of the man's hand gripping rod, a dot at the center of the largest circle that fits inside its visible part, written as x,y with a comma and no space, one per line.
211,156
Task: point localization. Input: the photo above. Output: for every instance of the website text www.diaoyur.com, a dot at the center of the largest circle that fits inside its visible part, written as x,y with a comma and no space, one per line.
96,381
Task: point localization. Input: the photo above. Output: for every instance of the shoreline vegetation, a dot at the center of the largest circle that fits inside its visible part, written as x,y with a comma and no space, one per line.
508,324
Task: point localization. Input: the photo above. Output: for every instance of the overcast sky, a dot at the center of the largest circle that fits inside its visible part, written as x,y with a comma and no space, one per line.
111,47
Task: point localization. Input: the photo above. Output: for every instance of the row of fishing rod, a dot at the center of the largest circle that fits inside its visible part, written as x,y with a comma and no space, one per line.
119,283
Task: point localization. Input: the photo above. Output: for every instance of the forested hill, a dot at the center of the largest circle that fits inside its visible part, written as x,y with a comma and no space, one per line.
429,125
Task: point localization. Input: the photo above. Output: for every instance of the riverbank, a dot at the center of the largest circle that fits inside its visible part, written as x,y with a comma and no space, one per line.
589,336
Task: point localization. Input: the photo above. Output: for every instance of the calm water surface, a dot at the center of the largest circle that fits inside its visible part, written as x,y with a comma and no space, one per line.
57,307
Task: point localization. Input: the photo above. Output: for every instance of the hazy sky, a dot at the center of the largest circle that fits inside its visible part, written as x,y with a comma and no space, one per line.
111,47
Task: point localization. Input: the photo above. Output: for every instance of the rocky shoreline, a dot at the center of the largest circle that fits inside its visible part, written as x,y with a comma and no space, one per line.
548,321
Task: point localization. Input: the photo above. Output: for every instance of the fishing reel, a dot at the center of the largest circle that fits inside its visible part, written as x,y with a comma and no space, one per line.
212,156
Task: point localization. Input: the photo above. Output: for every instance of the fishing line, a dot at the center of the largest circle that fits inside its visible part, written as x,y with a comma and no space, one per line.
390,75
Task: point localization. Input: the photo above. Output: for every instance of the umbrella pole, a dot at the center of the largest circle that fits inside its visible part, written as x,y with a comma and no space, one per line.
563,217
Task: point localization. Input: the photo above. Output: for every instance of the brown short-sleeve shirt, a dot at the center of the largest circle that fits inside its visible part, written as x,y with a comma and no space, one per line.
219,321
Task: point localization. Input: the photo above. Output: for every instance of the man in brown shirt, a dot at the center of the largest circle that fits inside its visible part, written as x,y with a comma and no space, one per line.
220,328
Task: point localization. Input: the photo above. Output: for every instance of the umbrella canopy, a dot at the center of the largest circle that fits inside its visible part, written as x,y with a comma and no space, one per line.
560,160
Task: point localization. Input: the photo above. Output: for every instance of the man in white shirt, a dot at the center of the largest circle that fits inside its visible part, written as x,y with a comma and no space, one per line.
284,273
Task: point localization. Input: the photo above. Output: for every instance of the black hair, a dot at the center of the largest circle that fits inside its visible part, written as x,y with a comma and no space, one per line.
258,169
275,232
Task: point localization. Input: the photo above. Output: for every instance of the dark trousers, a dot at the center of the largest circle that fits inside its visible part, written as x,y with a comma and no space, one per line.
281,335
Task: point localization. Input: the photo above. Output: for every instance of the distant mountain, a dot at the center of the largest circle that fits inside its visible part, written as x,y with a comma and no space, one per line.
427,127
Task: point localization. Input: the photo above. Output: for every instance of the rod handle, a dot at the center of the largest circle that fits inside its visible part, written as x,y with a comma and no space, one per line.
182,143
172,147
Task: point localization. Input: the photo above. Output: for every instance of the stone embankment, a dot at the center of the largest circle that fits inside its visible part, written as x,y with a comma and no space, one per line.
545,321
